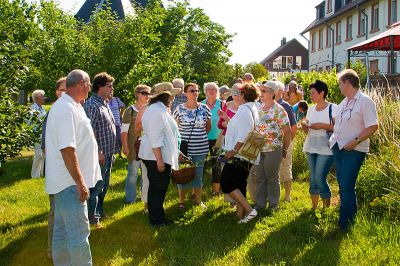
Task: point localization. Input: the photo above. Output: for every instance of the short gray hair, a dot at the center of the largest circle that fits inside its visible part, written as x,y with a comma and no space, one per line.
248,76
36,94
211,84
178,83
75,76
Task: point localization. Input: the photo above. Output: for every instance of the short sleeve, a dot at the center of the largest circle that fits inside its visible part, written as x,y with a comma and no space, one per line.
176,112
290,113
127,116
65,131
120,103
369,113
283,119
207,111
246,123
334,110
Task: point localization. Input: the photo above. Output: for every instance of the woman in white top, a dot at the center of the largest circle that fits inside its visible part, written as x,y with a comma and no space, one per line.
320,121
159,152
236,169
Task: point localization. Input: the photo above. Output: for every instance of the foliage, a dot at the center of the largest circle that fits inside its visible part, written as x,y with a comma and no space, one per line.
17,34
292,235
258,70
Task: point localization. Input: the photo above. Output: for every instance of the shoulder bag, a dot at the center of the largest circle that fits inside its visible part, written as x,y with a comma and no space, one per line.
184,147
253,143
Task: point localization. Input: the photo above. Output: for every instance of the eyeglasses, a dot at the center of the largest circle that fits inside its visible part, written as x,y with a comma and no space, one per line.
267,91
145,93
347,109
110,85
193,91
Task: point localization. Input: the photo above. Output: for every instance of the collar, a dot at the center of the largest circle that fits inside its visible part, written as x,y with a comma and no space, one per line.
69,99
97,98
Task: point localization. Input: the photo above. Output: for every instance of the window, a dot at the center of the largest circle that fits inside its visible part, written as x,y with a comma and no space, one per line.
338,67
375,18
328,37
328,68
329,6
392,12
320,40
361,23
321,69
277,63
349,29
298,62
373,66
338,32
313,37
289,61
283,61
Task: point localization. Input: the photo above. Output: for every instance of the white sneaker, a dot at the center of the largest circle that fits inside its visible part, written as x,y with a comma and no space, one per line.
248,217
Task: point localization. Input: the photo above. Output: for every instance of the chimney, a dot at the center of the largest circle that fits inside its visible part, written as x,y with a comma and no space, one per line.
283,42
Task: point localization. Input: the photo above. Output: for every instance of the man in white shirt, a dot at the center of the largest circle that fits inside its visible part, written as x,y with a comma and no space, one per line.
72,168
38,158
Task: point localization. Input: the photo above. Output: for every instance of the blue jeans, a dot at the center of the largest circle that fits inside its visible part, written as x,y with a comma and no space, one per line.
71,229
131,181
348,164
98,193
198,178
319,166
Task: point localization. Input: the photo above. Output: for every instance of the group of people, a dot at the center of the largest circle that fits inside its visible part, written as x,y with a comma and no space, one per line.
167,124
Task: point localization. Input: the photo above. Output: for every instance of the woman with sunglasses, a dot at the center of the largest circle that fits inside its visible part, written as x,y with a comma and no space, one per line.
194,120
319,122
356,121
129,136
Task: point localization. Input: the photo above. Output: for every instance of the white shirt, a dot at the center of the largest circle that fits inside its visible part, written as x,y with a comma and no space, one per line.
40,109
240,125
160,130
317,140
352,117
68,126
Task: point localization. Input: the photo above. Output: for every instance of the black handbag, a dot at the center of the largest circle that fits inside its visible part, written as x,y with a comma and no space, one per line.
184,147
329,133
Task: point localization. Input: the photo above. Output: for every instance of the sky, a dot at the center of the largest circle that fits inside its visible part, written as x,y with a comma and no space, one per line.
259,25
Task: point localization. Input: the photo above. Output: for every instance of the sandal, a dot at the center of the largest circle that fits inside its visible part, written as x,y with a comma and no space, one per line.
181,206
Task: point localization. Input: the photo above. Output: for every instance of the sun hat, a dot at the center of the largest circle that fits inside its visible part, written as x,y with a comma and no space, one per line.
271,84
164,86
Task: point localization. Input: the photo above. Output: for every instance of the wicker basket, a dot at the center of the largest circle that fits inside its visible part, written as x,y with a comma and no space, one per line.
184,175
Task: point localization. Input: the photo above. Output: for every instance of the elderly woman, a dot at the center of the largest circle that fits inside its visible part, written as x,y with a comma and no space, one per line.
194,123
211,90
236,169
319,121
229,109
159,151
293,95
274,125
356,120
38,158
129,137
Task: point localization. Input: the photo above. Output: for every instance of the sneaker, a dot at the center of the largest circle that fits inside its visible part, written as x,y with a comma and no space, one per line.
248,217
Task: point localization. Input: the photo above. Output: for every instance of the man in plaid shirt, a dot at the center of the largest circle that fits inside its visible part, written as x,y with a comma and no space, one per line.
180,98
103,124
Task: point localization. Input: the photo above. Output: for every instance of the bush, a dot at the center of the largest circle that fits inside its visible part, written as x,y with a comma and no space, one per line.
299,163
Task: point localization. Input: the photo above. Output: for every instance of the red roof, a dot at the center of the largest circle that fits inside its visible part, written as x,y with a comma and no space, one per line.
381,41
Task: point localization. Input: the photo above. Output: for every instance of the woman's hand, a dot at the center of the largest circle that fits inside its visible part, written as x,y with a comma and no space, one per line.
160,166
350,145
125,150
316,126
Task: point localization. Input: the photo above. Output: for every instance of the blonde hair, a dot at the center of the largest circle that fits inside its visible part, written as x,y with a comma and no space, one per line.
36,94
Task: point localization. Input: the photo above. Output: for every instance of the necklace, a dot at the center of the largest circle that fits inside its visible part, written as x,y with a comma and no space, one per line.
211,106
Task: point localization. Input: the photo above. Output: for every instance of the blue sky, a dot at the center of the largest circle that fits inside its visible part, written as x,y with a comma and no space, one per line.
259,24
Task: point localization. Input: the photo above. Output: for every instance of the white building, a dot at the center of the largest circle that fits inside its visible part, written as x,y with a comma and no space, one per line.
344,23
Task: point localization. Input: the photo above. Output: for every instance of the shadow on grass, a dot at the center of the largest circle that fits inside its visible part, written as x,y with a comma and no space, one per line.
31,220
16,170
299,242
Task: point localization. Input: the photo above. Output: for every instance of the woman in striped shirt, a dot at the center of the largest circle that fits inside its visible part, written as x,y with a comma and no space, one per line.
194,120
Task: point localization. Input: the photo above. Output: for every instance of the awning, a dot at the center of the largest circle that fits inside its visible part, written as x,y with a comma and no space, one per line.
381,41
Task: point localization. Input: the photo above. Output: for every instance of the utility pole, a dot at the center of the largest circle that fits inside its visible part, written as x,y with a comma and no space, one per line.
366,53
332,44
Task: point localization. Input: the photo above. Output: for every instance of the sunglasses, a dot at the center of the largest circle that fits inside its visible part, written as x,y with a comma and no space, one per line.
145,93
193,91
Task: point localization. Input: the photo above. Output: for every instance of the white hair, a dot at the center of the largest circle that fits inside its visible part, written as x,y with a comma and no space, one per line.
75,76
36,94
178,83
214,85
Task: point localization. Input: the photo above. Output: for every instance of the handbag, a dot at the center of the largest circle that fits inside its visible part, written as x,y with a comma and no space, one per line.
329,133
184,147
137,147
253,143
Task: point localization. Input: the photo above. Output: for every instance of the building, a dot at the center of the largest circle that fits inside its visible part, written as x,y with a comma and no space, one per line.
120,7
340,24
289,57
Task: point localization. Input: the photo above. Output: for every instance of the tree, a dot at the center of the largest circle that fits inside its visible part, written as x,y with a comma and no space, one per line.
258,70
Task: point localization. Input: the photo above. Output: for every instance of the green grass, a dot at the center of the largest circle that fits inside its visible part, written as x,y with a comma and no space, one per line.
292,235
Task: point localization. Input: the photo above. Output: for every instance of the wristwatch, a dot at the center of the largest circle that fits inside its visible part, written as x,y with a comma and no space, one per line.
358,140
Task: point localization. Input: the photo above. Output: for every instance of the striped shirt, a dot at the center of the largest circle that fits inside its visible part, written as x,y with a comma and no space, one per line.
115,105
198,143
103,124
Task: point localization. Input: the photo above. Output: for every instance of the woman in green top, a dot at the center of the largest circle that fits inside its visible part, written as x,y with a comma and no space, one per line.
211,90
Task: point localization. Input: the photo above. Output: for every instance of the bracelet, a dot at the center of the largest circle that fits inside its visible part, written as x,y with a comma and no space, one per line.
358,140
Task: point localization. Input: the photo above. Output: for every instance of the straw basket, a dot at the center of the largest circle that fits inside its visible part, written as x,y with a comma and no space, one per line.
185,174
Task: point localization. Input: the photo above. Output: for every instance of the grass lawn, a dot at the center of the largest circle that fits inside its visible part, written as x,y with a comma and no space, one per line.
292,235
